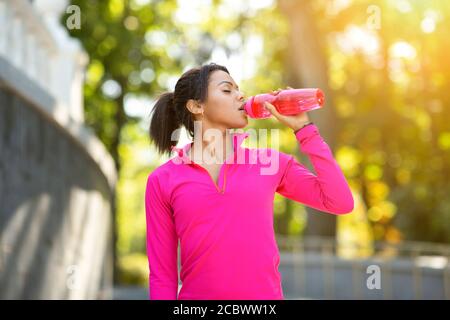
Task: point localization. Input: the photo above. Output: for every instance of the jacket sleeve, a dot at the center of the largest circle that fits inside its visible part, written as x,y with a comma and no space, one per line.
162,244
328,191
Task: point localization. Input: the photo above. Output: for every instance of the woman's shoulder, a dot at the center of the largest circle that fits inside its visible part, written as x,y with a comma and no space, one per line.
162,171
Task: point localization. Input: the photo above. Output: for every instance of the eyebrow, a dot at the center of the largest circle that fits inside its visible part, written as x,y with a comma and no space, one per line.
227,82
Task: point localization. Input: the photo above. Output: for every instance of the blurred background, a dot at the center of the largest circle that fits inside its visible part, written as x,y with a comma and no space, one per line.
78,80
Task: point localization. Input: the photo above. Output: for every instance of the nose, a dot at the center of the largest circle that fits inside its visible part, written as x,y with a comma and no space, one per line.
240,96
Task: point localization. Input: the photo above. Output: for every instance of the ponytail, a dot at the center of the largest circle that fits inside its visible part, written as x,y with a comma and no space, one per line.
164,122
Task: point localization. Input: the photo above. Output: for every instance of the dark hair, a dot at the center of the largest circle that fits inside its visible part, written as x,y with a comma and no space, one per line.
170,112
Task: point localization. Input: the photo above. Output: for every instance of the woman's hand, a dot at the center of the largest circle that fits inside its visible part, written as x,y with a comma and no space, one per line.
294,122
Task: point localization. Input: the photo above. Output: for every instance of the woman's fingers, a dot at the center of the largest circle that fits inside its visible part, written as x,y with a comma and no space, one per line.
272,109
275,92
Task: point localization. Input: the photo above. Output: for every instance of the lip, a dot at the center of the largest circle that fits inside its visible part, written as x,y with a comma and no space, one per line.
241,108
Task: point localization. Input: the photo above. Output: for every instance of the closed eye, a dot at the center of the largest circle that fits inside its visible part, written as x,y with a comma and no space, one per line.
226,91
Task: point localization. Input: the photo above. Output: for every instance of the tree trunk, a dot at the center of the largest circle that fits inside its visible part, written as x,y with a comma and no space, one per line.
306,66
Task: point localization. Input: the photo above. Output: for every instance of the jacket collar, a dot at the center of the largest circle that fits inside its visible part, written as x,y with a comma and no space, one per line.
237,139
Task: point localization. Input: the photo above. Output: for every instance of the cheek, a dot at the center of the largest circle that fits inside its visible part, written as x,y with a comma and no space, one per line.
219,108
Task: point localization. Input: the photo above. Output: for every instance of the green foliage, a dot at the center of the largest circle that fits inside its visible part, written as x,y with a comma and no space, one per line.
390,92
117,35
133,269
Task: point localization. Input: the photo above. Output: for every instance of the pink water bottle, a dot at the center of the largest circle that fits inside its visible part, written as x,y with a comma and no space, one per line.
287,102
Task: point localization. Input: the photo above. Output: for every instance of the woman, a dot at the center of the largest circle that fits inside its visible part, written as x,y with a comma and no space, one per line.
222,210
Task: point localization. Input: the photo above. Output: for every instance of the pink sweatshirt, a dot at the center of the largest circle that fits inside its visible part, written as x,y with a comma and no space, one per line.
228,246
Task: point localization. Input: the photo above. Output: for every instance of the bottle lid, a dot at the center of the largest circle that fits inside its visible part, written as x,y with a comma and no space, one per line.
320,97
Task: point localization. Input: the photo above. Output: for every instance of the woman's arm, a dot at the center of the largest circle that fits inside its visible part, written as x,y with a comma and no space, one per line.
162,244
328,191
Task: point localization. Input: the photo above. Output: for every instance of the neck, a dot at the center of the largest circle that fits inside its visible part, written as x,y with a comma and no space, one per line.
213,147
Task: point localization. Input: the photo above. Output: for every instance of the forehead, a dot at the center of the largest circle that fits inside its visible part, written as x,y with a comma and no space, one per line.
219,76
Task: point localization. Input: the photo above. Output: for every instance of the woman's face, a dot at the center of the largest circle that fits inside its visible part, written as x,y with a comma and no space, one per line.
221,108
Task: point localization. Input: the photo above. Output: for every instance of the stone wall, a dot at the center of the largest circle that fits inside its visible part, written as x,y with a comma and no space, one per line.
56,223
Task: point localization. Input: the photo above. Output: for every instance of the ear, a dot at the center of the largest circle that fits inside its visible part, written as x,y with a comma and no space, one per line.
194,107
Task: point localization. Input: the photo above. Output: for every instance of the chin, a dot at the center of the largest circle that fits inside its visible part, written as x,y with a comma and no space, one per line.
240,124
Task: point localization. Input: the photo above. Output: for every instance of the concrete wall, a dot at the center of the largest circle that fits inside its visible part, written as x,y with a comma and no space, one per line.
56,239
